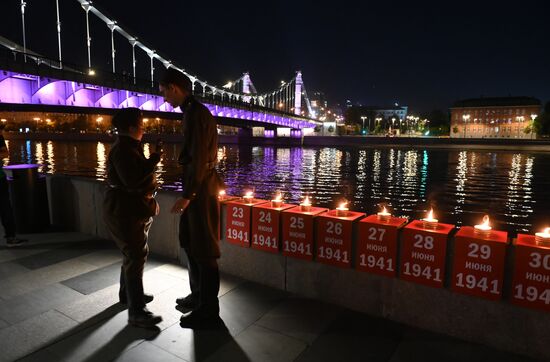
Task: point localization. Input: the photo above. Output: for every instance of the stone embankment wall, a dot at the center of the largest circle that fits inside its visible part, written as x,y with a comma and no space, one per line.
76,204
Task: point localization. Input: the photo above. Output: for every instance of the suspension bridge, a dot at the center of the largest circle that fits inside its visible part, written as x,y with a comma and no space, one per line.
30,81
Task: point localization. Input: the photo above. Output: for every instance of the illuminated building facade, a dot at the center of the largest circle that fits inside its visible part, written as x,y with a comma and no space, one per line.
502,117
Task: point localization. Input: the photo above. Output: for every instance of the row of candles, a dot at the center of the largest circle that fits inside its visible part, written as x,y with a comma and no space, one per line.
429,222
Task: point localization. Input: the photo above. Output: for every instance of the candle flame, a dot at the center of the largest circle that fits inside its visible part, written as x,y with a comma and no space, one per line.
343,206
306,201
222,192
279,197
384,211
249,194
485,221
430,215
546,231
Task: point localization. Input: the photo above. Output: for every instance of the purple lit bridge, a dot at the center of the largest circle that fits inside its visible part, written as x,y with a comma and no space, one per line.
35,92
30,81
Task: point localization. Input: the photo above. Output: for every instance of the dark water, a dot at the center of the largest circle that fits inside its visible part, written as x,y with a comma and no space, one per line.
461,186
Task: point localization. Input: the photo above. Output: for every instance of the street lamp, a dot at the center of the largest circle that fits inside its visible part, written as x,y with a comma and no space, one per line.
98,121
36,119
377,120
519,119
465,118
533,117
363,119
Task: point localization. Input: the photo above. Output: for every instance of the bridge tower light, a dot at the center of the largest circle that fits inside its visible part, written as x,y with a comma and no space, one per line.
299,84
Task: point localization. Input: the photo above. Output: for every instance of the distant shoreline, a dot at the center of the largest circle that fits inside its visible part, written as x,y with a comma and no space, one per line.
536,145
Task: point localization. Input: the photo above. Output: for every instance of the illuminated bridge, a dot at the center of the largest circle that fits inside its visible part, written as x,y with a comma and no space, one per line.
31,81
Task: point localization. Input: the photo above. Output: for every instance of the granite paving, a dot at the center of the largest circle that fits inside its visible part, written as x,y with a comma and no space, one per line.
59,302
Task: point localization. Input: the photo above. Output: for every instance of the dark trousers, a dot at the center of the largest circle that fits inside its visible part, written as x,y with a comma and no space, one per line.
6,212
204,280
131,238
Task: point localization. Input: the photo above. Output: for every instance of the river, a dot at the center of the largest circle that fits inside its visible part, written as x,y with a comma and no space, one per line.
461,186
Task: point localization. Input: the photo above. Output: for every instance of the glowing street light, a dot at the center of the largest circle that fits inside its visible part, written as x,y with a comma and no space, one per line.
519,119
363,119
465,118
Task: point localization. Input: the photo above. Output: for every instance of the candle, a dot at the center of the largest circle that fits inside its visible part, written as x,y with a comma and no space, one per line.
543,237
384,215
483,228
429,221
342,210
305,205
249,197
221,195
277,201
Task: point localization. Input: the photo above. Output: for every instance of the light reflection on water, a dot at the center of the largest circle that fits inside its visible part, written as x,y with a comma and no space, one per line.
460,185
101,169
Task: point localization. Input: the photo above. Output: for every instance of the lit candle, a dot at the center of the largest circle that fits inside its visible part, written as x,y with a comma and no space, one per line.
221,195
483,228
249,197
430,222
306,205
342,210
384,215
277,201
543,238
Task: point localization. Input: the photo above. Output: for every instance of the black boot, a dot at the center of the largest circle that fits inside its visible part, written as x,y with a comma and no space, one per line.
147,298
187,304
143,318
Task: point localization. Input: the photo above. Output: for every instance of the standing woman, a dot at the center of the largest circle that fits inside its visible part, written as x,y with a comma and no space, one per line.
129,208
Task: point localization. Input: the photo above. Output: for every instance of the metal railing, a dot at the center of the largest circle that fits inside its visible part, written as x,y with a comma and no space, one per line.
33,64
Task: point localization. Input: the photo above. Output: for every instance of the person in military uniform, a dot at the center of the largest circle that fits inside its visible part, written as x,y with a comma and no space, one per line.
129,207
198,204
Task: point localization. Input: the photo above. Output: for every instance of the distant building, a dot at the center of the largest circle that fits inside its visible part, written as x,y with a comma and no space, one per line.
319,104
398,112
502,117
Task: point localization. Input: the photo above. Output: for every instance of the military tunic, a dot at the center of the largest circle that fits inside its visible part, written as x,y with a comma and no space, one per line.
199,224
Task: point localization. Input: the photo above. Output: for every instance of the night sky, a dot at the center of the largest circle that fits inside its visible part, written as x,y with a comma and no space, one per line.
373,53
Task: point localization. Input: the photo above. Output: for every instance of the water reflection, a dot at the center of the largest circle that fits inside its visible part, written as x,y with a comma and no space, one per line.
51,157
461,185
101,170
39,156
461,178
519,200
